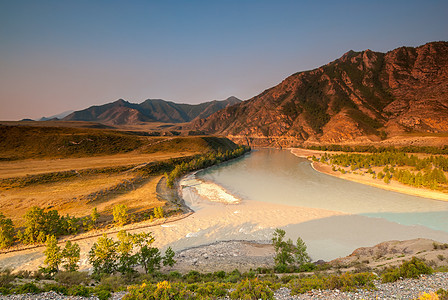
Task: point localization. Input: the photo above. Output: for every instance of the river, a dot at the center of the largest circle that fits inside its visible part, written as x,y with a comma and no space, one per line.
371,214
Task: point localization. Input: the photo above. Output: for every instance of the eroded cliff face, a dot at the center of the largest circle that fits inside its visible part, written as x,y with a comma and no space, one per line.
360,97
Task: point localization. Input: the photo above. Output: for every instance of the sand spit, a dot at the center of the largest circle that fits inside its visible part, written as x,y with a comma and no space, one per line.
392,186
208,190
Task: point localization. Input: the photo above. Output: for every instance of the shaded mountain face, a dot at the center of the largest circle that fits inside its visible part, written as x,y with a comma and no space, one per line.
122,112
360,97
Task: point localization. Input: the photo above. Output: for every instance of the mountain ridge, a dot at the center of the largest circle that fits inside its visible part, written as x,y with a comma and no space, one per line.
361,97
122,112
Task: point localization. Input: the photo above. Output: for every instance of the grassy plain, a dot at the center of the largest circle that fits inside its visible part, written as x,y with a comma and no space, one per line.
74,170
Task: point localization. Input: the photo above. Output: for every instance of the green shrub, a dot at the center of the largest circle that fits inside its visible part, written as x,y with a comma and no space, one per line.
5,290
302,285
350,282
113,283
408,269
307,267
443,294
192,277
102,292
233,276
72,278
79,290
252,289
27,288
344,282
56,288
6,278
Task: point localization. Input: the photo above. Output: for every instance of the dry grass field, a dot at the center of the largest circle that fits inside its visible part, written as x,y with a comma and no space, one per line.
57,168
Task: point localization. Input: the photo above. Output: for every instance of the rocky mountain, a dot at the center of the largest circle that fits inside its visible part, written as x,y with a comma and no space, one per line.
123,112
360,97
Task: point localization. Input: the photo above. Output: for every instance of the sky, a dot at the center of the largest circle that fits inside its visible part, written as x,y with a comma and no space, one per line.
64,55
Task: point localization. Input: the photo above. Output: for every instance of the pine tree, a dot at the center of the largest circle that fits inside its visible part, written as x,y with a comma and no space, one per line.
301,255
120,213
53,256
94,217
70,256
126,260
103,255
6,232
168,259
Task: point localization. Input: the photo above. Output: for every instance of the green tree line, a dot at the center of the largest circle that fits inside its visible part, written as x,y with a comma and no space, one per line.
373,149
426,172
203,161
39,224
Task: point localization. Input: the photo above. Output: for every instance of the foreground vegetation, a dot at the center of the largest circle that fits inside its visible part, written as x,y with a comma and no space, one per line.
257,284
114,269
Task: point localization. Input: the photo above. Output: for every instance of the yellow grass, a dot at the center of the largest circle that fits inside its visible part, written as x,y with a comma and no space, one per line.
38,166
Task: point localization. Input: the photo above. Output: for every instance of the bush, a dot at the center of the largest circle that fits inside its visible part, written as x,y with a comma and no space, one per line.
113,283
56,288
408,269
79,290
344,282
4,290
72,278
27,288
103,292
252,289
6,278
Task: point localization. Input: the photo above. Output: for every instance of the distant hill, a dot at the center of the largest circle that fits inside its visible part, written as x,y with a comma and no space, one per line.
24,142
122,112
56,117
361,97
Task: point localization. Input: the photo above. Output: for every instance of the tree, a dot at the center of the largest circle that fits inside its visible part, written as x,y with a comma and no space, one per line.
149,258
39,224
288,254
53,256
70,256
284,249
94,217
168,259
103,255
33,225
6,232
158,212
125,246
120,213
301,255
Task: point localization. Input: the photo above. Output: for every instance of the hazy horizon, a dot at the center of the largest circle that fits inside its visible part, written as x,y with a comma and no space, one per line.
68,55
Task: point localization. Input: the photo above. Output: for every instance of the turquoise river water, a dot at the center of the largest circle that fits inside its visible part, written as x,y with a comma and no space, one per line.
277,176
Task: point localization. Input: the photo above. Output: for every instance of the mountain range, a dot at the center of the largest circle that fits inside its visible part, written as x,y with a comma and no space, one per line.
122,112
360,97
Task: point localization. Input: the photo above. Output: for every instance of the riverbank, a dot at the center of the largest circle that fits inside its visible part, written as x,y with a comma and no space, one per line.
359,178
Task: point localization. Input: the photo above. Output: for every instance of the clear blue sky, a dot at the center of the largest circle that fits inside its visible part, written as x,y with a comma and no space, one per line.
61,55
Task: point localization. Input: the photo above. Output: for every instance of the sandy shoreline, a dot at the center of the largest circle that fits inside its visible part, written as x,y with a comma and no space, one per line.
392,186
